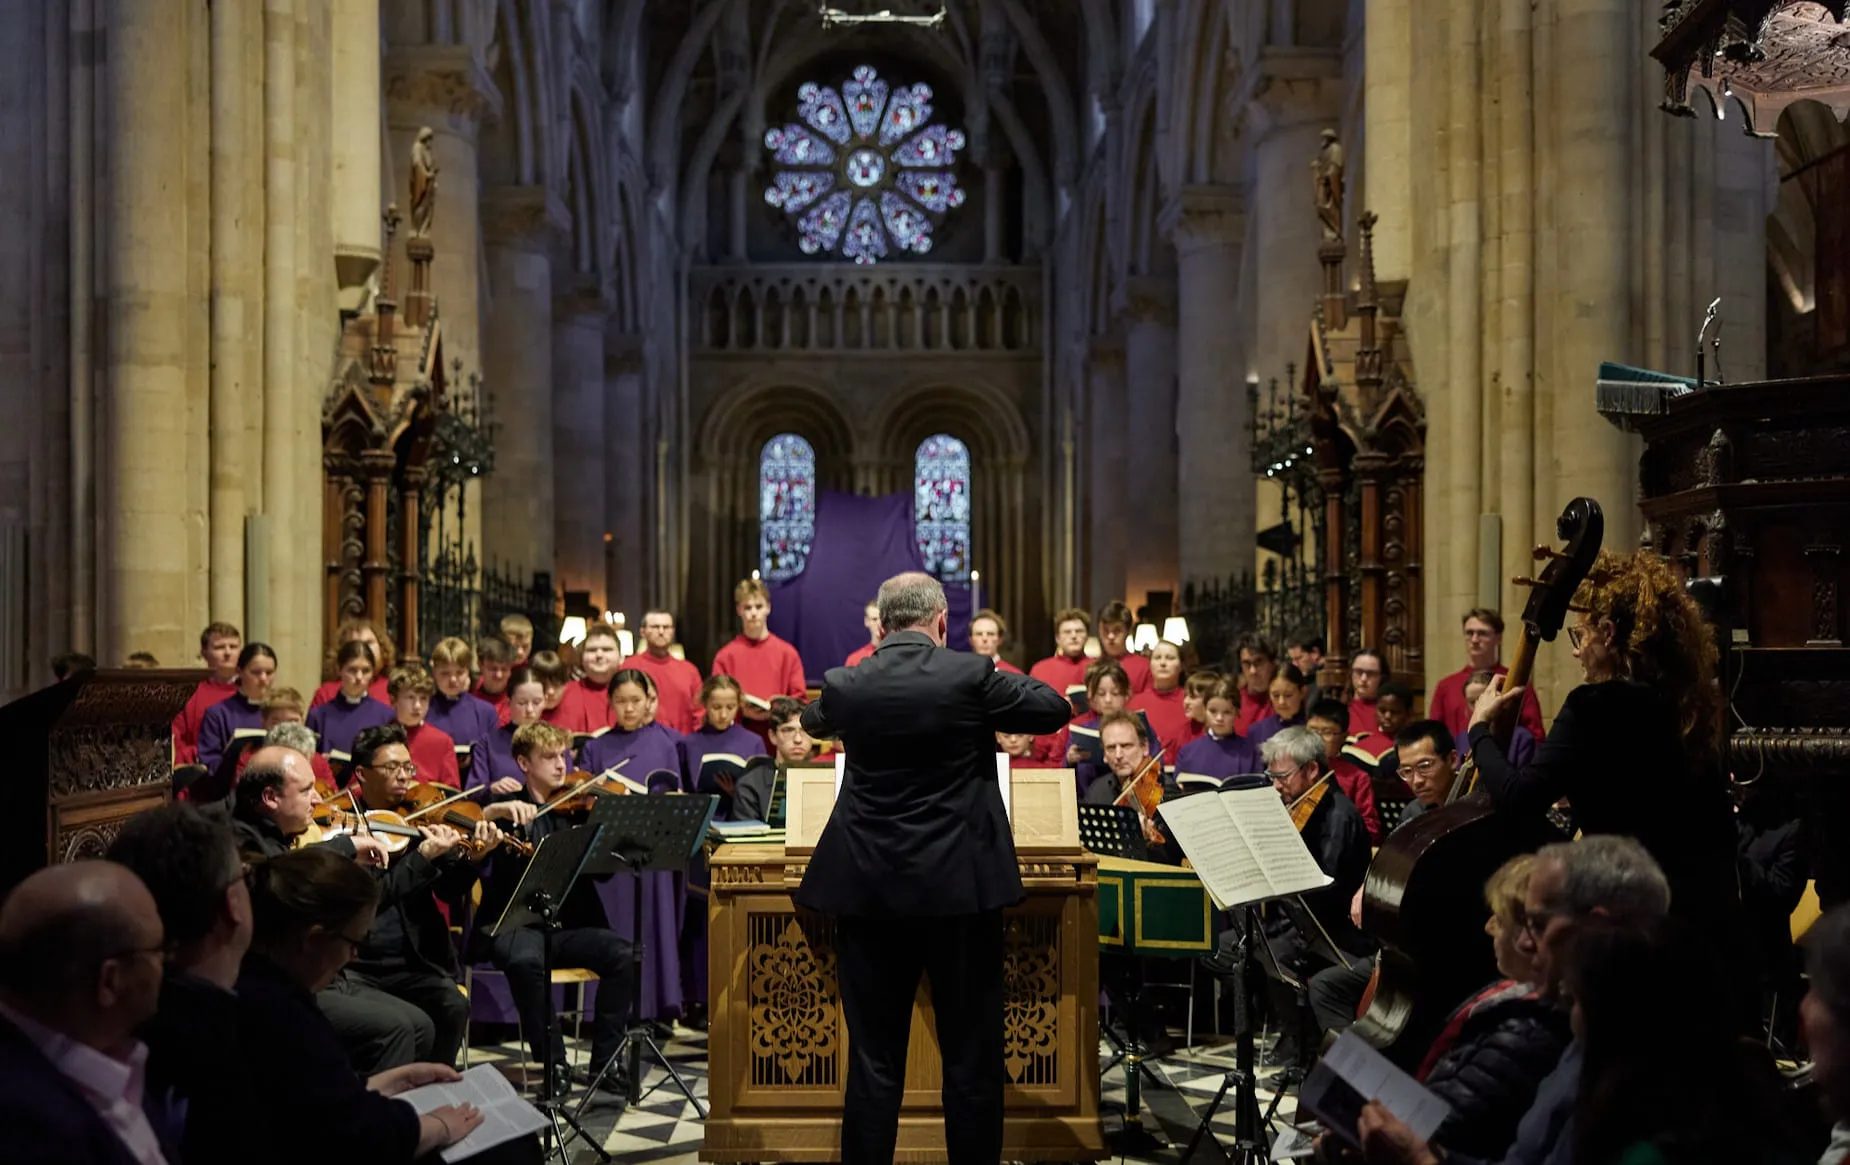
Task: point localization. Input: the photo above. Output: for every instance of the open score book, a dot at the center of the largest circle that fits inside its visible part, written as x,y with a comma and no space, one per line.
1243,845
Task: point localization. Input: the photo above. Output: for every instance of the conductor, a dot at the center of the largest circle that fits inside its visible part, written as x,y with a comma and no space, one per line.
916,865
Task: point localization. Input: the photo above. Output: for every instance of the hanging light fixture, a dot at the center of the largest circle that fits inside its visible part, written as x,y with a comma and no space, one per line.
572,630
1175,629
833,17
1144,638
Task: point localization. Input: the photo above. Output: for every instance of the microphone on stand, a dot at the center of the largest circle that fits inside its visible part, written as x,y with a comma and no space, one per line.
1713,317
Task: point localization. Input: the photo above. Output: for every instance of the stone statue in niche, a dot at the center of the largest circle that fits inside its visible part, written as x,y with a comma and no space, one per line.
1327,181
423,184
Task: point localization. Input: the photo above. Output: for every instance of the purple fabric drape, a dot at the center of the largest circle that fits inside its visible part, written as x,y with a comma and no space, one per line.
859,544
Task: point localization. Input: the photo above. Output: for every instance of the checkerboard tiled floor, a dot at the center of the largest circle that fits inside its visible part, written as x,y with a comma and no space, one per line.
664,1128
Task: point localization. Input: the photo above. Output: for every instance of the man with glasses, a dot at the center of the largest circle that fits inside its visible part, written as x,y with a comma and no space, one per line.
1483,647
81,950
677,682
1571,882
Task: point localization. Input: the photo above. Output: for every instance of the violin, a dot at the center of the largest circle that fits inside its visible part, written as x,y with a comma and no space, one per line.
439,805
1307,802
1423,898
579,791
388,828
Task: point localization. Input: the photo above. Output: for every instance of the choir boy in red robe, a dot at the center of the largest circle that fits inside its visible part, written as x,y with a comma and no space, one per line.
495,657
1258,664
432,749
585,707
1115,622
470,720
1329,719
1483,644
1162,702
764,665
1065,669
677,682
1367,672
870,619
518,631
384,660
219,645
987,635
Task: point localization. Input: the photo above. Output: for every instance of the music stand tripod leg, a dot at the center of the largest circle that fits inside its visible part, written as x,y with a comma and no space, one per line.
1250,1145
555,1108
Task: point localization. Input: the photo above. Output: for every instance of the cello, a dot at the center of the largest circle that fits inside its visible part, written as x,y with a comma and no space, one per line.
1423,898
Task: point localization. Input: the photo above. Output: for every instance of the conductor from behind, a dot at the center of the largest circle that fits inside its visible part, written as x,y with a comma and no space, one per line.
916,865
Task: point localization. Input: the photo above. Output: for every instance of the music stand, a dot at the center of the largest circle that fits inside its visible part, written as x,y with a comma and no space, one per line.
550,874
1112,831
639,835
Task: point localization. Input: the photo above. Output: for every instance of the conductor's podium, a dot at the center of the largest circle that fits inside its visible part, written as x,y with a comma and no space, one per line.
778,1043
1154,910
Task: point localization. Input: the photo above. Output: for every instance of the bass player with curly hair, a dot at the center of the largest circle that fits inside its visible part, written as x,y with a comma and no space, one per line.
1637,748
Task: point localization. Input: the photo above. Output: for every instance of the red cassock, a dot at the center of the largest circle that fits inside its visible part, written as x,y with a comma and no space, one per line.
1167,719
1362,718
379,690
585,707
858,654
1351,779
434,752
1253,709
677,689
186,724
1449,708
1136,670
1005,665
499,699
765,667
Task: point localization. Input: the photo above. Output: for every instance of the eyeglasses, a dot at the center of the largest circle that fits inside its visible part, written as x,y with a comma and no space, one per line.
1575,634
1364,672
395,768
1284,776
1423,768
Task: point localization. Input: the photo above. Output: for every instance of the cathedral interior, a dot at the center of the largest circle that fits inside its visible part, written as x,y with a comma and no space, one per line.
414,307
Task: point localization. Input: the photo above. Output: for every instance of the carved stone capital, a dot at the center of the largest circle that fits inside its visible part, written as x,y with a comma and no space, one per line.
1288,87
528,217
441,83
1199,217
582,299
1146,299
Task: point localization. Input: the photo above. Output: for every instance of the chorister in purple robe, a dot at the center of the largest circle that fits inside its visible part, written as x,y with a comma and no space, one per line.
737,740
1219,757
650,748
339,720
222,722
471,722
1271,726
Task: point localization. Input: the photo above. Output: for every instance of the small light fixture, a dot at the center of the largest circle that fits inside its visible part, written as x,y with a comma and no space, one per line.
676,650
1093,650
1144,638
1175,629
755,577
572,630
626,642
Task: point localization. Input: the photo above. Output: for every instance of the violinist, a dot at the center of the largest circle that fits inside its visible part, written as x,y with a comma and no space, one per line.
543,752
1126,749
408,955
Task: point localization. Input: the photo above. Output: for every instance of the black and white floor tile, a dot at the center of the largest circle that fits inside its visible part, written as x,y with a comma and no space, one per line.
664,1129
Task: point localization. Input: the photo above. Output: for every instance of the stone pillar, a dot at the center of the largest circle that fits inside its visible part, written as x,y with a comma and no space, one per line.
144,565
629,469
1213,416
1287,119
1148,304
356,146
1388,134
1106,520
580,432
521,226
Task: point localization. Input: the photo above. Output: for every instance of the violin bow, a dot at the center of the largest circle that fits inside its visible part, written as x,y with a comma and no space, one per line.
568,792
450,800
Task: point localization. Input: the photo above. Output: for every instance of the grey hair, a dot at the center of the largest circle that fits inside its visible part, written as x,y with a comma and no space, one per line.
1297,744
1828,961
290,734
909,600
1611,873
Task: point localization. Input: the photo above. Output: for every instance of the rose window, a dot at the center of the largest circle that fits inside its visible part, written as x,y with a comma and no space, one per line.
863,174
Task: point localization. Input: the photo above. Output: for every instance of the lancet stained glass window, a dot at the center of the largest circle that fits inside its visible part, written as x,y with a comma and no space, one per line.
786,506
863,174
941,479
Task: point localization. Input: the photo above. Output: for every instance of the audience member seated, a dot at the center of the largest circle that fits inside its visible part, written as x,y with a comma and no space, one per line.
1825,1016
189,862
80,973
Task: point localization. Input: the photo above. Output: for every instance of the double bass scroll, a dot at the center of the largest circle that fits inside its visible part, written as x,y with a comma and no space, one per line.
1423,899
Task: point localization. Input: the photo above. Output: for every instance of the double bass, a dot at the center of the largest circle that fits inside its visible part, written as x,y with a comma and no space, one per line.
1424,896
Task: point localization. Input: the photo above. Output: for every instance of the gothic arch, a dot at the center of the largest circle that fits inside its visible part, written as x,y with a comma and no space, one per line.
980,417
587,180
1144,255
744,419
507,141
1197,111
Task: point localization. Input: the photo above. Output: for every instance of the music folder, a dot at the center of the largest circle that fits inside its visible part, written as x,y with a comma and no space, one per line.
1243,845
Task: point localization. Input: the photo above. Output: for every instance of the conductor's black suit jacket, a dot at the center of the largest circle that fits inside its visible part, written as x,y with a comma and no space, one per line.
919,827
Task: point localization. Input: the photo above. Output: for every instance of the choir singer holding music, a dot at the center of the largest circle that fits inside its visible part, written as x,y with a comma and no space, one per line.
916,865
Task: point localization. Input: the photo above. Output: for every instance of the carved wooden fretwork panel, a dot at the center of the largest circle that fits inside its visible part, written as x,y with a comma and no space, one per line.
1031,999
793,1006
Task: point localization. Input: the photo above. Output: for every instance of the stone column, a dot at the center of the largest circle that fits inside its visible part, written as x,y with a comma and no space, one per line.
629,468
1106,519
144,561
1287,119
1388,134
1148,304
1213,417
580,431
521,226
356,147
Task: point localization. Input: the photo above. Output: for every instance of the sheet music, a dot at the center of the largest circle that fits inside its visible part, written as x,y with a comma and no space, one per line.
1266,825
1243,845
1002,785
1350,1075
505,1115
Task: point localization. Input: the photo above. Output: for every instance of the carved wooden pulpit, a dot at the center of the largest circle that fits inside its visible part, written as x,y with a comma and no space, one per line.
84,756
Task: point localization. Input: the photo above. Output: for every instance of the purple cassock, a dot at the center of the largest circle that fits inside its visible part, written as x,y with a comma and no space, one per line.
649,749
470,721
1219,757
1271,726
339,720
737,741
222,722
500,759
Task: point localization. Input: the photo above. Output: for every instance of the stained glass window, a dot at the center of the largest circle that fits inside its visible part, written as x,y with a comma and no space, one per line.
863,174
786,506
941,477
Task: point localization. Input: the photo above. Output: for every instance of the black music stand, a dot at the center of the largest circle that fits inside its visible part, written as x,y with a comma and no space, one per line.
555,866
642,834
1112,831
